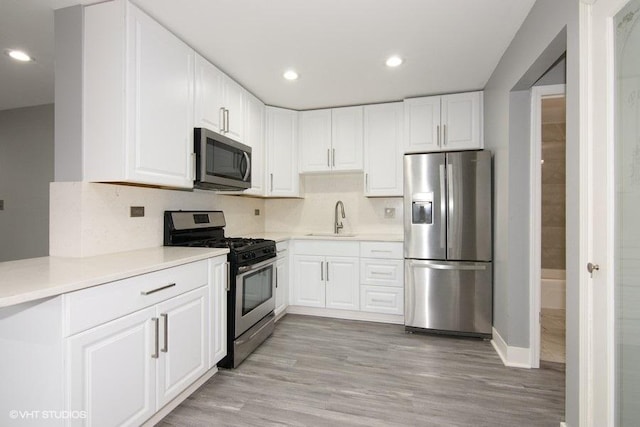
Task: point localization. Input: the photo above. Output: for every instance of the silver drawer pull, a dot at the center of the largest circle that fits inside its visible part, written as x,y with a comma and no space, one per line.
165,316
380,274
380,250
378,300
162,288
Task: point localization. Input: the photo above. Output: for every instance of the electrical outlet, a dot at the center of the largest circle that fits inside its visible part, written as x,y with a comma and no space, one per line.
137,211
389,212
256,212
1,205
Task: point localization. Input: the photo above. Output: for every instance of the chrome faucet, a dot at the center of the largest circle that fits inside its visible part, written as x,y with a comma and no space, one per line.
338,225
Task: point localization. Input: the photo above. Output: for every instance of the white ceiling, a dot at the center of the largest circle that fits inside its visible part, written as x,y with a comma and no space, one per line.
337,46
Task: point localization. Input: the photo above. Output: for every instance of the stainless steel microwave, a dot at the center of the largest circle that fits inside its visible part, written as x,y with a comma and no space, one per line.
221,163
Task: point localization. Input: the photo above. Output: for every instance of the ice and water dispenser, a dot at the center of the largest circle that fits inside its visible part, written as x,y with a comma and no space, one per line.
422,208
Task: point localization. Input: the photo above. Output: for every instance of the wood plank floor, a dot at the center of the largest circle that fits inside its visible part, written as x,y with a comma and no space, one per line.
326,372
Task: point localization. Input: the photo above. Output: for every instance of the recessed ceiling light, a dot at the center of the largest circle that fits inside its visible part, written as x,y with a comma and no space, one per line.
290,75
393,61
18,55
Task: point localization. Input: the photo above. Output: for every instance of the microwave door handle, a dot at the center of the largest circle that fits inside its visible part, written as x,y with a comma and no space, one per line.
248,171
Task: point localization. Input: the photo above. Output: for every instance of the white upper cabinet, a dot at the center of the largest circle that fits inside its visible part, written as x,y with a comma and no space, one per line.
254,137
219,101
383,149
282,153
137,100
443,123
331,140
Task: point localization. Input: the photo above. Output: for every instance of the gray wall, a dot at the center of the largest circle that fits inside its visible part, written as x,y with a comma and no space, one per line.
26,169
550,27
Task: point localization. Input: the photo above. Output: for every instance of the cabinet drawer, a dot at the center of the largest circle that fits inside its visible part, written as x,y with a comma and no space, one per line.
381,299
91,307
382,272
326,247
392,250
282,247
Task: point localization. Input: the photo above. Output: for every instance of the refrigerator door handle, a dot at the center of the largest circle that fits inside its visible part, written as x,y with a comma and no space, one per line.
474,267
450,209
443,207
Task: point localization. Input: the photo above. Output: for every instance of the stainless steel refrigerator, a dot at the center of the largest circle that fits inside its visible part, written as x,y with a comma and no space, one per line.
447,242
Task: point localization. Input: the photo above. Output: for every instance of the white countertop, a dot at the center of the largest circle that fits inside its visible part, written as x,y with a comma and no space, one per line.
36,278
280,237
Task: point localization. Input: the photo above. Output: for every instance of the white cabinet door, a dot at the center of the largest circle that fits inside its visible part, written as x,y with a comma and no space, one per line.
254,137
383,149
234,96
342,283
309,285
315,141
282,283
111,372
422,124
160,126
462,121
218,282
209,97
347,139
282,152
184,342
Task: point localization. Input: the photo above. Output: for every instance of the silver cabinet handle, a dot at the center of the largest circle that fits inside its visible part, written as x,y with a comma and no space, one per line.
161,288
322,270
327,271
366,182
221,119
328,157
444,131
378,300
438,132
226,120
334,157
379,273
276,277
382,251
165,347
156,353
271,182
227,271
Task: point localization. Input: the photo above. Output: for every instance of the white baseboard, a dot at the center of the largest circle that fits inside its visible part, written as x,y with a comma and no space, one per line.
346,314
515,357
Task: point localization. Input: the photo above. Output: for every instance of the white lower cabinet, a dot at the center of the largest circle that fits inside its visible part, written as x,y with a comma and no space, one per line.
341,283
282,278
122,372
111,374
184,347
136,344
324,280
382,277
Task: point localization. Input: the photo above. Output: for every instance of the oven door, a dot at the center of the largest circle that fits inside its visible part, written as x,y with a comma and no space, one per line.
255,294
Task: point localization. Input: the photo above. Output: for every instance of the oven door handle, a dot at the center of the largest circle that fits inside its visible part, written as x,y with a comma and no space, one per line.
257,266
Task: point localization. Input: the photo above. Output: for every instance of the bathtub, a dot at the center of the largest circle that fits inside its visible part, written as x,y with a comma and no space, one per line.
553,288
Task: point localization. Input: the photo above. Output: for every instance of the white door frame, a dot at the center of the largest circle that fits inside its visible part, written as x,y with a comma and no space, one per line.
538,93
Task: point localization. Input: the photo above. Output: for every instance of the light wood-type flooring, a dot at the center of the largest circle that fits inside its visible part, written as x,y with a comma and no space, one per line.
552,335
326,372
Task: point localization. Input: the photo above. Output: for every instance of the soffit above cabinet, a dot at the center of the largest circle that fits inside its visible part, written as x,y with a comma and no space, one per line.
337,47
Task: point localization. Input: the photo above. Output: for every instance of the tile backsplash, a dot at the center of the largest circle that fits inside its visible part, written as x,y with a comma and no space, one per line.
315,213
89,219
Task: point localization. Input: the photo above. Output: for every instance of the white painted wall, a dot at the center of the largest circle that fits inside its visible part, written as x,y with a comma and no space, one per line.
26,168
315,213
91,219
524,62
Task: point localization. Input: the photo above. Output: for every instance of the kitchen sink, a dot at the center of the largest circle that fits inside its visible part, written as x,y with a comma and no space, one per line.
331,235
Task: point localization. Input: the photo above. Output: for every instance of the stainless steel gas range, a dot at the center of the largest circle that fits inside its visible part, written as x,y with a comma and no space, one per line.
251,293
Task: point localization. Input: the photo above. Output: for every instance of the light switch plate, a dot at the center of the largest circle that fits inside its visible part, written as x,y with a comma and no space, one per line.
137,211
389,212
